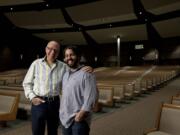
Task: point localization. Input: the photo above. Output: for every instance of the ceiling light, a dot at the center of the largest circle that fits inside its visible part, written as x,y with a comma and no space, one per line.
11,9
140,13
118,39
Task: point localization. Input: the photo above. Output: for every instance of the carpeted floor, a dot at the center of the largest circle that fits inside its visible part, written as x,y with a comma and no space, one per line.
130,118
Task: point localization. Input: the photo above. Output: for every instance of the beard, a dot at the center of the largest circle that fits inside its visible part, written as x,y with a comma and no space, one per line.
72,63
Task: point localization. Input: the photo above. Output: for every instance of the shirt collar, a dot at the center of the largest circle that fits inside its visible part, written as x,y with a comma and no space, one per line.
74,70
45,57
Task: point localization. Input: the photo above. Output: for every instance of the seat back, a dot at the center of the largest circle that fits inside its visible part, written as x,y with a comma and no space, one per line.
169,121
105,95
175,100
8,106
6,102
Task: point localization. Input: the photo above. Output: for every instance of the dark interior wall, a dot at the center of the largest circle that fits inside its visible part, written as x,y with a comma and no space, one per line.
170,52
20,52
6,57
107,53
27,53
18,47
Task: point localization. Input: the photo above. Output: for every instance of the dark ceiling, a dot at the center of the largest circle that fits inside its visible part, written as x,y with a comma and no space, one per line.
93,21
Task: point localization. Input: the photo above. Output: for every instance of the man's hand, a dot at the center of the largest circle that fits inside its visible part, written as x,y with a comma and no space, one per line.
87,69
37,101
80,116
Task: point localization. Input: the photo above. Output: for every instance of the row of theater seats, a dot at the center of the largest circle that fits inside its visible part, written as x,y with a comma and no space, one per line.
12,77
116,84
168,121
12,96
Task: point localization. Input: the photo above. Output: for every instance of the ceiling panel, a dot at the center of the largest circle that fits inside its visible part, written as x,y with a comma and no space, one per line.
65,38
131,33
161,6
38,19
16,2
109,19
101,10
168,28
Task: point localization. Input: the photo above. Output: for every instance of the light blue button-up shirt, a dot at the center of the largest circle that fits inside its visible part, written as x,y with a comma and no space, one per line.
78,93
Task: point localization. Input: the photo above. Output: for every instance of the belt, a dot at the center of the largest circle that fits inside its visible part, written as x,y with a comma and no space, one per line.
50,98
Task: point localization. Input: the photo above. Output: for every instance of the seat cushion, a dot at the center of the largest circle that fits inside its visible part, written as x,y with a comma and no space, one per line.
158,133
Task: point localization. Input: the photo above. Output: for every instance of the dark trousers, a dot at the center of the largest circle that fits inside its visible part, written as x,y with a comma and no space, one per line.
77,128
45,113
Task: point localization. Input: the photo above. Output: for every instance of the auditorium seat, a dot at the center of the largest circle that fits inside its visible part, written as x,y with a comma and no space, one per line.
106,95
24,103
8,106
118,89
167,122
175,100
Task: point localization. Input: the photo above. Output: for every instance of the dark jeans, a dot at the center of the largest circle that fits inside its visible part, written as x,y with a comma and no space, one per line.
45,113
77,128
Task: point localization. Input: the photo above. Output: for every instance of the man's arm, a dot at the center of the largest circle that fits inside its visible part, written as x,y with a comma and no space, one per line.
90,94
28,82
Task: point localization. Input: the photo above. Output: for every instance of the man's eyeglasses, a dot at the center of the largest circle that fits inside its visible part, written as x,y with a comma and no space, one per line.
52,49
